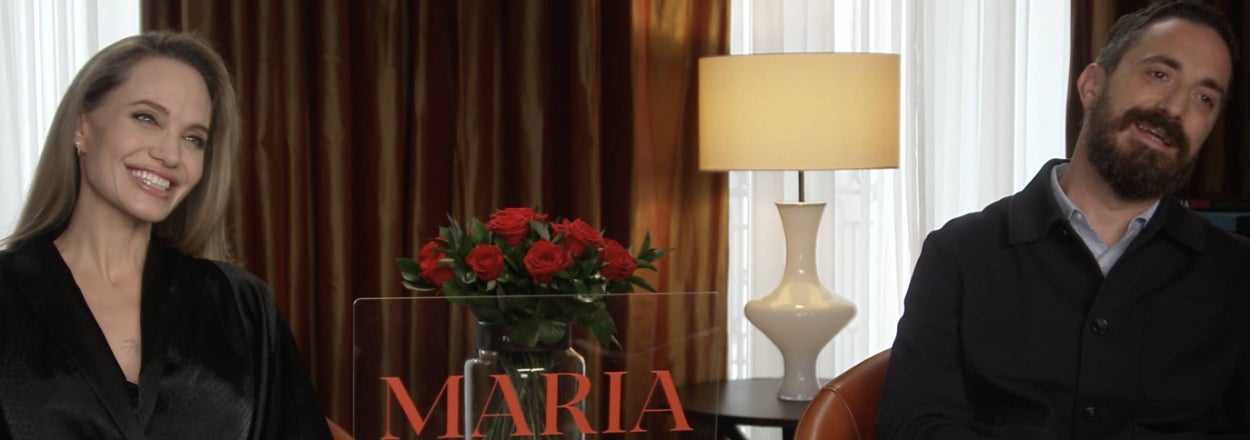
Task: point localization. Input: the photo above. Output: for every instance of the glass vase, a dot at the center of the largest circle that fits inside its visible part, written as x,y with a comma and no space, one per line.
506,387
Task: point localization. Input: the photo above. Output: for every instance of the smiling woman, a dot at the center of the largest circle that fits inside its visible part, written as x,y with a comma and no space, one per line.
142,147
118,318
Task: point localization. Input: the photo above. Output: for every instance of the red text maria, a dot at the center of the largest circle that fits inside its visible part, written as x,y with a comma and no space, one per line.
503,389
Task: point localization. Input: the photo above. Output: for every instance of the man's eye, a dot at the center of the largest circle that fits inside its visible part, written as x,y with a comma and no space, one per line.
1207,99
1158,75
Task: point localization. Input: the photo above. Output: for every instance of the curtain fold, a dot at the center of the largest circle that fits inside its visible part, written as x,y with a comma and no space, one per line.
369,122
673,200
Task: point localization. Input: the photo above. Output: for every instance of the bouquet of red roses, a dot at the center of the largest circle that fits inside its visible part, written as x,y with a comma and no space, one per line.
533,275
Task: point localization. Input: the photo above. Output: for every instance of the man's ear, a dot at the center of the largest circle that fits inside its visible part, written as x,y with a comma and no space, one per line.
1089,84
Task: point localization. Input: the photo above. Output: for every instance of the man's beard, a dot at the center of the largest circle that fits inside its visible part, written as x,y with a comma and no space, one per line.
1136,171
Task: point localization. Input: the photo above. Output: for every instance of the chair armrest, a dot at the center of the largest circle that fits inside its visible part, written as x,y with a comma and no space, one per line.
846,407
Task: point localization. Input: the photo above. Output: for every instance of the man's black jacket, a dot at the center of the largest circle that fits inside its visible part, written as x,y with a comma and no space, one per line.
1011,331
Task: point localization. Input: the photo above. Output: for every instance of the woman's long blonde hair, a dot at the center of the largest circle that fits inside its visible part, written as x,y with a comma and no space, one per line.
196,226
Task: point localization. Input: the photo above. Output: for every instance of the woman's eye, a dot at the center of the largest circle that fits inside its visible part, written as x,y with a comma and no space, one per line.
199,142
144,117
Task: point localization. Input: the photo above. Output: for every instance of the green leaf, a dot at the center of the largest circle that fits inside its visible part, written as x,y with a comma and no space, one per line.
456,234
652,254
579,286
551,331
514,262
409,268
452,223
646,241
589,265
620,287
522,305
640,283
505,278
452,288
601,324
525,284
486,309
418,287
525,332
595,288
541,229
478,232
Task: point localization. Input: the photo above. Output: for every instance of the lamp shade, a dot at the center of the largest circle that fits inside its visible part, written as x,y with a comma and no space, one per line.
799,111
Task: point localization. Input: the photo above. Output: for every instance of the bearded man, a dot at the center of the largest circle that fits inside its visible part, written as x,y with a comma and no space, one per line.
1092,304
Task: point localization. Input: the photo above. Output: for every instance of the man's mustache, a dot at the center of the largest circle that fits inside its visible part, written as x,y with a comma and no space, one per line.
1157,118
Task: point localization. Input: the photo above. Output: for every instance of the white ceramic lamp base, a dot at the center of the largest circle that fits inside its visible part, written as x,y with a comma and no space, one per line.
800,316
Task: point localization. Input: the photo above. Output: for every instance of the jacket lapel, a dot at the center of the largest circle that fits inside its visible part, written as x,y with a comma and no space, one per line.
1033,213
1171,242
158,291
47,286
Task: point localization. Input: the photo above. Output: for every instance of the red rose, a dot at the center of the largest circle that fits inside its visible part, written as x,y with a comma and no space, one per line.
430,269
544,259
578,236
618,264
513,223
430,250
486,260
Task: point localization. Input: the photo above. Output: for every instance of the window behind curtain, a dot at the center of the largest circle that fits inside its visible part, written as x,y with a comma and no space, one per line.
43,43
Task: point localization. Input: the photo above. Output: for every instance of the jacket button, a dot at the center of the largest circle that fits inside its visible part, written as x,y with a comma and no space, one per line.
1100,326
1090,414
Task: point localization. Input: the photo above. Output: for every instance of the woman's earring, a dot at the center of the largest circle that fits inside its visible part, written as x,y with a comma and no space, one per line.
78,148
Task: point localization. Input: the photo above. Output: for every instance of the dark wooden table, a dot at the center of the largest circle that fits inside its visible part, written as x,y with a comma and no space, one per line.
732,403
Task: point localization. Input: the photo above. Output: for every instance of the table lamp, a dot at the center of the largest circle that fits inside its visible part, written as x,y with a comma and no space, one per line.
799,111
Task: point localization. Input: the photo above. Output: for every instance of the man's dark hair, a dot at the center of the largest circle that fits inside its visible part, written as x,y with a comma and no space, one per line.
1128,29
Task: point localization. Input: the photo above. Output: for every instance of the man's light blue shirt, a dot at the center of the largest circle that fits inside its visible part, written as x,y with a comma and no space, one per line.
1106,256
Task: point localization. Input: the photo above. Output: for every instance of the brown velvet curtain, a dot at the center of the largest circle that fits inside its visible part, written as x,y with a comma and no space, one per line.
368,121
1223,169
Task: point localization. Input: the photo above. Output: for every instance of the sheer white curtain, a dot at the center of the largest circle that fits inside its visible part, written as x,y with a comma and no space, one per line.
43,44
982,104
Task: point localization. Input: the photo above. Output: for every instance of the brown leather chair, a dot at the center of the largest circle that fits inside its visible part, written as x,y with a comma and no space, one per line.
336,432
846,408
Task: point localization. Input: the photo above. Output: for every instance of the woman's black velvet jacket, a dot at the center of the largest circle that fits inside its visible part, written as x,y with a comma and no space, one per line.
218,359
